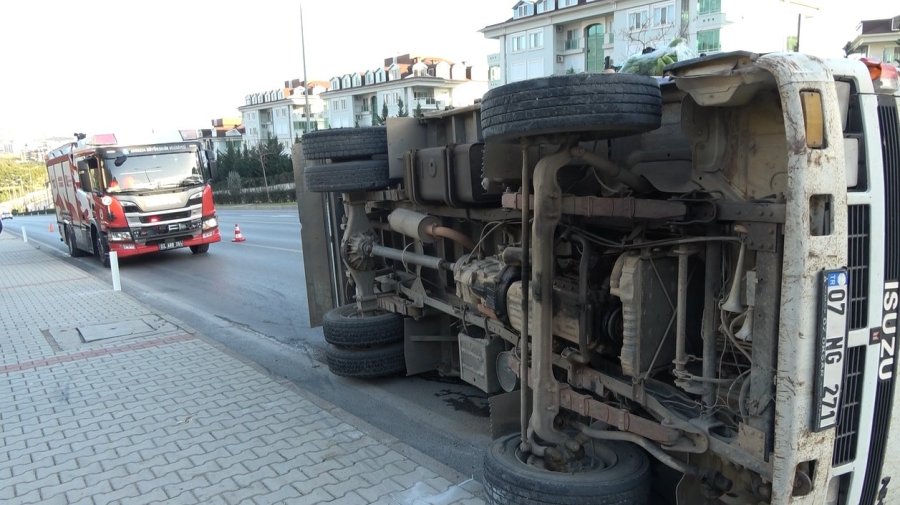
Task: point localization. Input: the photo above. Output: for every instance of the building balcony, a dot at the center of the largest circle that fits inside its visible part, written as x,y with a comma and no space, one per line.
427,104
572,44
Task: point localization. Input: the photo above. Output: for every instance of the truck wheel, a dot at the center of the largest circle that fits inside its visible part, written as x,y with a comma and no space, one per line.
366,363
200,249
620,474
345,327
74,251
358,175
101,249
345,143
595,105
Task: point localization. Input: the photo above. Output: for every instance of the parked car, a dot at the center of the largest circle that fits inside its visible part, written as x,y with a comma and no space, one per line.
5,214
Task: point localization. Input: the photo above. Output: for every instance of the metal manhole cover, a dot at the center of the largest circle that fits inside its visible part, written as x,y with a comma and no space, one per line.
113,330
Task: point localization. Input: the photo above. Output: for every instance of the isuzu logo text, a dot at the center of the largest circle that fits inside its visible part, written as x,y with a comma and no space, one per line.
888,330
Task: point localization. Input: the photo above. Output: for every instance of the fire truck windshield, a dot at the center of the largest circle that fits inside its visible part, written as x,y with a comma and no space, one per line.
143,172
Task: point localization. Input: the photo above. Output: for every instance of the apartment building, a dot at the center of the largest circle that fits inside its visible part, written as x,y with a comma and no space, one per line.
879,39
552,37
282,114
408,82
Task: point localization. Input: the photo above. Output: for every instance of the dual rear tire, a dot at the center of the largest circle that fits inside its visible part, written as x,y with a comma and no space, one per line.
363,346
356,155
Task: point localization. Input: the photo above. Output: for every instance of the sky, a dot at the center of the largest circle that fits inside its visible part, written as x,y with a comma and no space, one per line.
123,66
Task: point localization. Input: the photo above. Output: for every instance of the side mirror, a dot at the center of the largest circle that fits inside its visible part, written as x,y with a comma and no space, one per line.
212,163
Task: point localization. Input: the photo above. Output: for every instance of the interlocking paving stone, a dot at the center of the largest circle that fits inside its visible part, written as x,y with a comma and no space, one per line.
169,417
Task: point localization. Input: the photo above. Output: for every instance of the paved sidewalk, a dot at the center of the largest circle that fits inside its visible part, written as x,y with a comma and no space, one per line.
147,410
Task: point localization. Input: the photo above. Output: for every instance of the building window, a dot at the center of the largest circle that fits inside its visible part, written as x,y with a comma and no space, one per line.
517,43
494,73
637,20
573,41
536,40
709,6
663,14
523,9
567,3
708,40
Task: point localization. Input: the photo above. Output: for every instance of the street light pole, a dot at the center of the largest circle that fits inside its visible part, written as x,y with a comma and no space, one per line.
305,83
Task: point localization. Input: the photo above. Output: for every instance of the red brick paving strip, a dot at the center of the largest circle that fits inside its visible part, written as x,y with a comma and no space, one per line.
105,351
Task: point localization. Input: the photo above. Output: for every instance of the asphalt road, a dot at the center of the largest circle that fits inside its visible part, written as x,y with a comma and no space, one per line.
251,297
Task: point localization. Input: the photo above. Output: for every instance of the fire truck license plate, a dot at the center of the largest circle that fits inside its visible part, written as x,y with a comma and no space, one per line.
832,345
171,245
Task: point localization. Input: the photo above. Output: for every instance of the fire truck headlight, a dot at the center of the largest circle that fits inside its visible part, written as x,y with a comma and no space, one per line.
210,223
120,236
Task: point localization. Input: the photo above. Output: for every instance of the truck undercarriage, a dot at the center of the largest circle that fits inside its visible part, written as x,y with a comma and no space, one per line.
658,257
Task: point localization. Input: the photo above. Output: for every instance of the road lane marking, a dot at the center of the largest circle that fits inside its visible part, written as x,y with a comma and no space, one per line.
244,244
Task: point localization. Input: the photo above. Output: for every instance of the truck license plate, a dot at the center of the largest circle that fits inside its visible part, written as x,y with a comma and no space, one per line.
832,345
171,245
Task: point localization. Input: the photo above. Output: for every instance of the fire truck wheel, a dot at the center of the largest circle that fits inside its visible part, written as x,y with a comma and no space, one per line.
367,363
620,474
345,143
74,251
358,175
345,327
101,249
595,105
200,249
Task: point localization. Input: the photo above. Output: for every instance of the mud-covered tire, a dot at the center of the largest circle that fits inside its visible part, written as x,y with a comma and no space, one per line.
594,105
508,481
344,327
367,363
345,143
360,175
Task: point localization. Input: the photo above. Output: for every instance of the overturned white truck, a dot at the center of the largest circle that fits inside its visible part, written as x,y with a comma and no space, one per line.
697,275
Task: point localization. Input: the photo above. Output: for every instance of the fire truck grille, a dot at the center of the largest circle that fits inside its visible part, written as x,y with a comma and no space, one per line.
168,216
848,417
884,392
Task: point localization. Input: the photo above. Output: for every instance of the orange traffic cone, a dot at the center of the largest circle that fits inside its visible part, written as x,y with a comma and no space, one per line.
50,227
238,236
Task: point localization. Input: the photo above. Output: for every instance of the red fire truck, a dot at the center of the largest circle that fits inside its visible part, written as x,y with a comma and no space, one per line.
132,199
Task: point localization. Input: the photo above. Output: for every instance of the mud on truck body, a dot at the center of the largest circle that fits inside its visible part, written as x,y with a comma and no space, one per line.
698,276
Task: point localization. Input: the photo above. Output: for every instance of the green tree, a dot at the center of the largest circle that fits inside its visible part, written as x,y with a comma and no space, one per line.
848,49
418,111
235,187
19,177
379,120
401,108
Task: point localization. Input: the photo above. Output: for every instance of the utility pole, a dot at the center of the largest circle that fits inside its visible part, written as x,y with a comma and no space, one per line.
305,83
